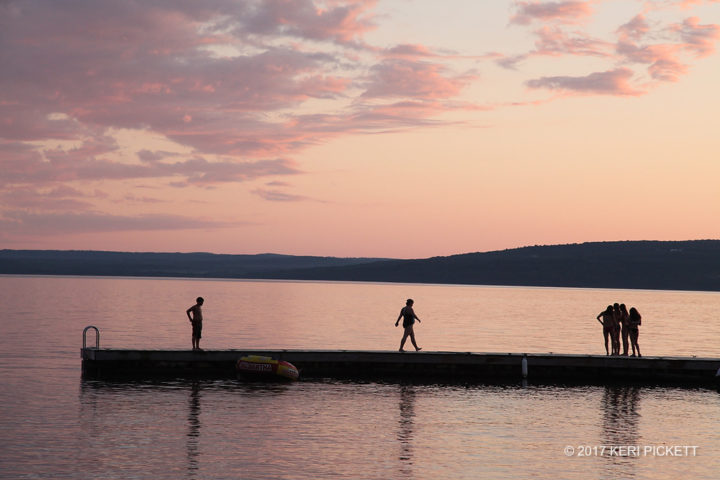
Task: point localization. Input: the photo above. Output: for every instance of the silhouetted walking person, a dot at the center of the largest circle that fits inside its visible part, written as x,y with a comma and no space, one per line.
408,315
634,320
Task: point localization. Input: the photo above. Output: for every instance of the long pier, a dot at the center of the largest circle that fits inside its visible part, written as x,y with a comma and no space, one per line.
423,366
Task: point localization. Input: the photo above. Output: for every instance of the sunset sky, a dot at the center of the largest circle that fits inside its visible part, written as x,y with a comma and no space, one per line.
389,128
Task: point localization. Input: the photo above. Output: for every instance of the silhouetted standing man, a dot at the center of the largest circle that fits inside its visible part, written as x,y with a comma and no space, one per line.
196,320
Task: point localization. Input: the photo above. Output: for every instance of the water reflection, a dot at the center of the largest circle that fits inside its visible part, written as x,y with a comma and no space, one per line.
621,426
620,415
193,435
406,426
160,428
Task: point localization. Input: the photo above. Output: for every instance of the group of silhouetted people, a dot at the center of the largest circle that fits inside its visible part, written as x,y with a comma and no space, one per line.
617,322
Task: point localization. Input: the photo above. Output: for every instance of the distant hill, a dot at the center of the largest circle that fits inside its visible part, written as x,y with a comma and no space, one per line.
685,265
206,265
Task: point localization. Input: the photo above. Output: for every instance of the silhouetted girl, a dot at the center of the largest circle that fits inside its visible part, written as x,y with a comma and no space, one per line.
625,327
616,330
634,320
408,317
608,323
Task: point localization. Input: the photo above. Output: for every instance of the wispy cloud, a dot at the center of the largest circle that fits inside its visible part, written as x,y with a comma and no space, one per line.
556,41
414,79
698,39
570,11
659,48
62,198
664,59
343,22
93,222
613,82
82,164
275,195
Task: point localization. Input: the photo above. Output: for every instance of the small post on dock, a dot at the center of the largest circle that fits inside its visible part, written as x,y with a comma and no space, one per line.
524,366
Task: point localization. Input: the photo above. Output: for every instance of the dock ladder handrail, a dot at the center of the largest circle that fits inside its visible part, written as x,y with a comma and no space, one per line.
97,336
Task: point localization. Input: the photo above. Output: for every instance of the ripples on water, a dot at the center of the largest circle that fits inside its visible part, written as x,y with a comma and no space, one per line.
55,425
330,429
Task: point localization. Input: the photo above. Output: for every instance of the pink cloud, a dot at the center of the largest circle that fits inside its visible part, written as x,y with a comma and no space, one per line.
423,52
154,156
383,118
570,11
664,59
59,199
511,62
141,199
204,172
686,4
613,82
635,29
20,123
552,39
340,21
667,69
410,51
555,41
82,164
278,196
368,119
414,79
662,49
697,38
192,96
398,115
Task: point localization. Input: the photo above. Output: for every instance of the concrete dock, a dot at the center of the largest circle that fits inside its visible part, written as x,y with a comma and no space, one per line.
423,366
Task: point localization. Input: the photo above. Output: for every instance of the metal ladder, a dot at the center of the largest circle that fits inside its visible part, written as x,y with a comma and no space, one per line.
97,337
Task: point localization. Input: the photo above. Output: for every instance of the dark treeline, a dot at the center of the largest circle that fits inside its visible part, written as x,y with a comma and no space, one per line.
203,265
686,265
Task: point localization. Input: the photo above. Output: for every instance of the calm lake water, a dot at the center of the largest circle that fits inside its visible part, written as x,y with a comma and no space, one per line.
54,424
